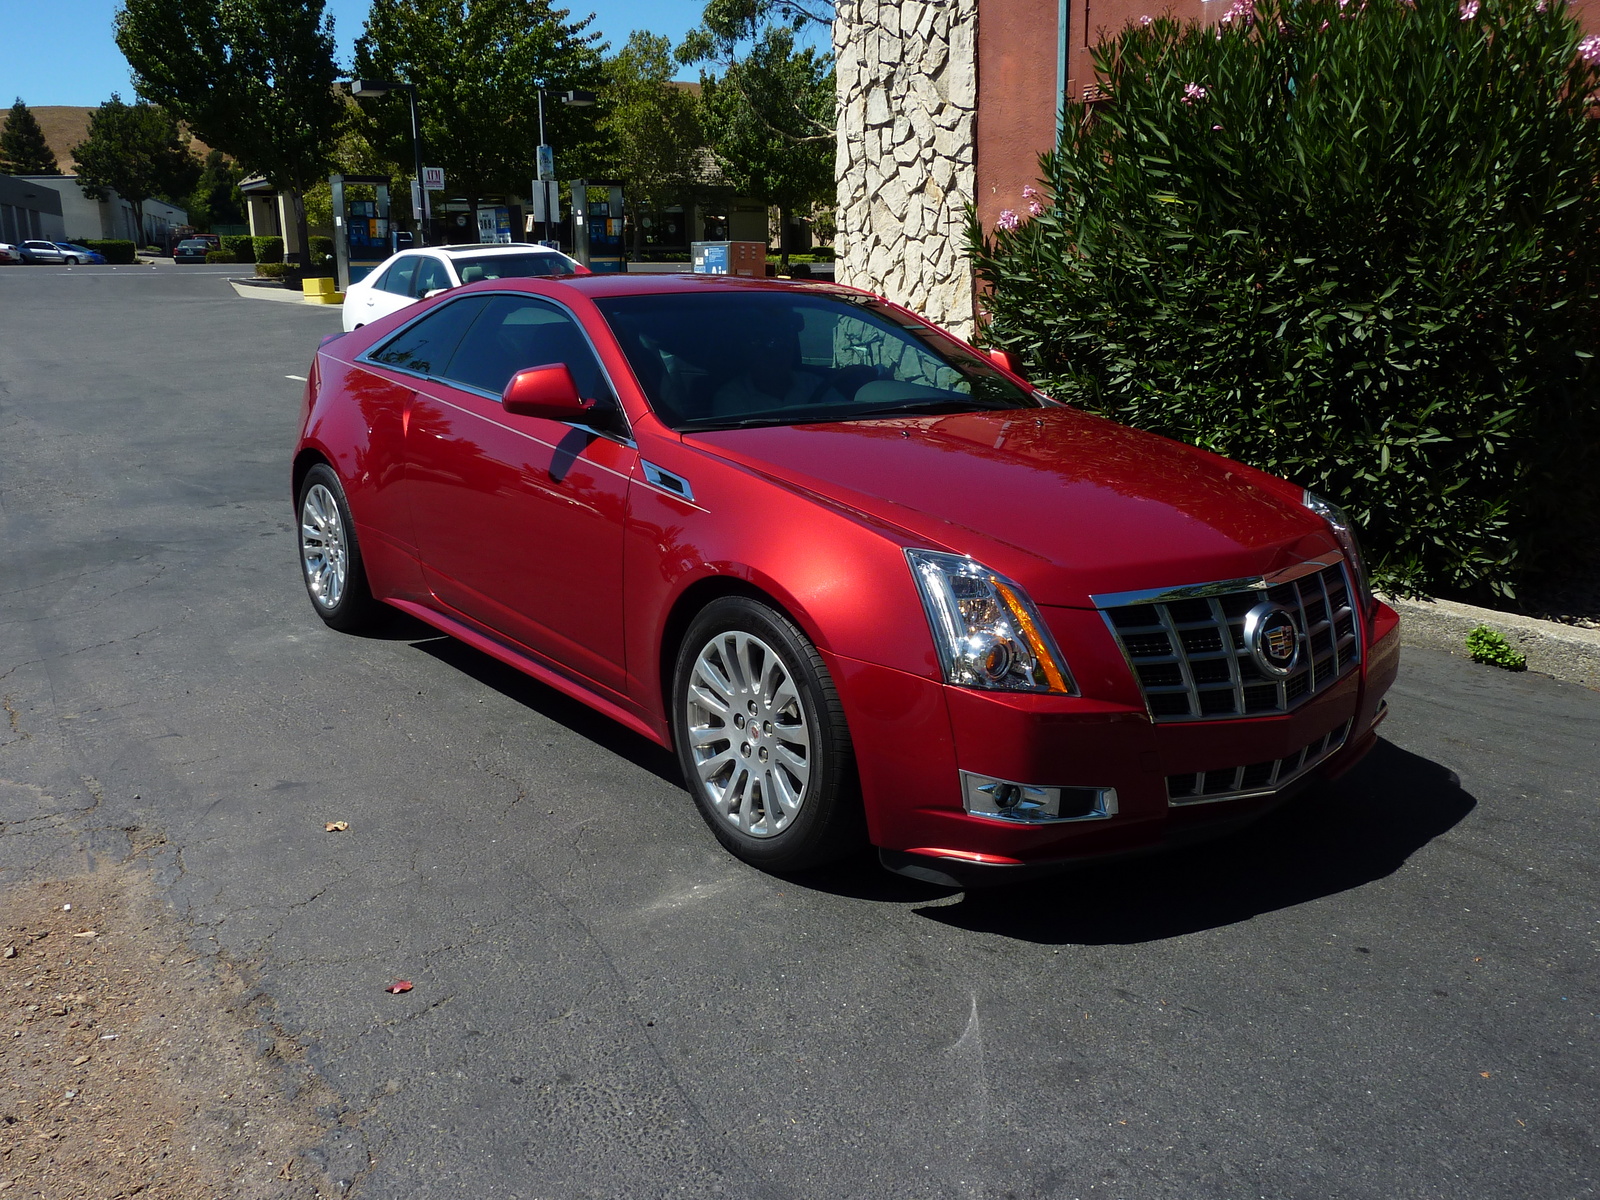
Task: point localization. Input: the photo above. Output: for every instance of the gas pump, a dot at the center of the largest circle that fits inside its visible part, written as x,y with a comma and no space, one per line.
598,226
361,232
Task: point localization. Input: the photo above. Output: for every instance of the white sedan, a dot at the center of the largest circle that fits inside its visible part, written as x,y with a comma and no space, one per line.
414,275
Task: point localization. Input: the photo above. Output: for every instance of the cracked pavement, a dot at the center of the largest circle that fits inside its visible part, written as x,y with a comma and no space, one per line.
1389,990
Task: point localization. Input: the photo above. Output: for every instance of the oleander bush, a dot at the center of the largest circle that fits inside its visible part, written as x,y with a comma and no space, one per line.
116,250
321,251
221,256
268,249
241,245
1352,242
270,270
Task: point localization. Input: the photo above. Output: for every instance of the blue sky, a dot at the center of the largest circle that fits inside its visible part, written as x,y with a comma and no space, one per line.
61,51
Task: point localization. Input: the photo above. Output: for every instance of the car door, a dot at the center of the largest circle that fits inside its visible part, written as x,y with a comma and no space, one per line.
390,292
519,520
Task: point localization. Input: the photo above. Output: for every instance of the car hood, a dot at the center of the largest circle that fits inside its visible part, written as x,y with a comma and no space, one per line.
1068,504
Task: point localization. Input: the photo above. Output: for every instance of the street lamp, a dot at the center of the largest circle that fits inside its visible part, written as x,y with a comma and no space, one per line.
365,88
574,98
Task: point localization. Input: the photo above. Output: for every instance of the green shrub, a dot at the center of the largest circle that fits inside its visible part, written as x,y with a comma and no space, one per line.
1487,646
116,250
241,245
268,249
1356,244
221,256
270,270
321,251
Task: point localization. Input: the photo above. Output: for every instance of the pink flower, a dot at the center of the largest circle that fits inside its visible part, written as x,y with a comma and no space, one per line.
1469,9
1144,21
1542,7
1193,92
1216,129
1244,12
1589,49
1009,221
1321,27
1032,195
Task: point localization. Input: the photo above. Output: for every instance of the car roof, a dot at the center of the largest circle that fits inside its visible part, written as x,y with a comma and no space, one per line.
596,286
486,249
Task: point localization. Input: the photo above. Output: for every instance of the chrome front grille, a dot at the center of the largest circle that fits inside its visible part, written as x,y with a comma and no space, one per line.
1230,783
1186,646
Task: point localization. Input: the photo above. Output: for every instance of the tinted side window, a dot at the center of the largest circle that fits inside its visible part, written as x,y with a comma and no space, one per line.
430,275
518,332
427,345
397,279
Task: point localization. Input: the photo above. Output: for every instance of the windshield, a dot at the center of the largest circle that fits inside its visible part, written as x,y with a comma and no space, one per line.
512,266
721,360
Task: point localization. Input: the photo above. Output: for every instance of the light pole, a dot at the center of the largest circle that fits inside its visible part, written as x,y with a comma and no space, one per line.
371,87
575,98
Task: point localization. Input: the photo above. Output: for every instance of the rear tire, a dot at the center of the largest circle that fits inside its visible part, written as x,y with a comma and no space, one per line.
330,557
762,740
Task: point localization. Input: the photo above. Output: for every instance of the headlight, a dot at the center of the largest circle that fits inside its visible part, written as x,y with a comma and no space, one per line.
987,631
1344,531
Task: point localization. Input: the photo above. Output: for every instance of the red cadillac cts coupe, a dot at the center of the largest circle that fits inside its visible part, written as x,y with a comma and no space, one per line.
867,582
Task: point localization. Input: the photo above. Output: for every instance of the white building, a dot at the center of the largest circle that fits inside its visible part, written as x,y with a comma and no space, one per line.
90,220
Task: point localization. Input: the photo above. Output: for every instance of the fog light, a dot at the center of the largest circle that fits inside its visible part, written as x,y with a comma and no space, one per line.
1001,799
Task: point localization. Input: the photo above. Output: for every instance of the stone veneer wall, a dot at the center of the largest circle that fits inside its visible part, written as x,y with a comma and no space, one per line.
908,93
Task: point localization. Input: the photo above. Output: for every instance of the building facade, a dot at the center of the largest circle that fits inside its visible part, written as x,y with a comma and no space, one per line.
28,210
84,219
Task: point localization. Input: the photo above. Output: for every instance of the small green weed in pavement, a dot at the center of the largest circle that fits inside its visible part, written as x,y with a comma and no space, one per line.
1487,646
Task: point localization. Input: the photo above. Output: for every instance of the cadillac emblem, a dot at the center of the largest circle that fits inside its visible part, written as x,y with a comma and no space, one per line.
1273,640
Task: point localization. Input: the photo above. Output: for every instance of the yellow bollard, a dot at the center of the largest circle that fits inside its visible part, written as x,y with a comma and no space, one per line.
320,291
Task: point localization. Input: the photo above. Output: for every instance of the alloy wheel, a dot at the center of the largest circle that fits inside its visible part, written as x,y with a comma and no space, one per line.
747,731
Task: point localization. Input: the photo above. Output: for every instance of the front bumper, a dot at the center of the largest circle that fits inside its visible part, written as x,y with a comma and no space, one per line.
914,737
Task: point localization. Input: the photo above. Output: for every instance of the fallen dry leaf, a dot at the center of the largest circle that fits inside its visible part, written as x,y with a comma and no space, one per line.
399,985
80,1060
87,933
336,826
11,952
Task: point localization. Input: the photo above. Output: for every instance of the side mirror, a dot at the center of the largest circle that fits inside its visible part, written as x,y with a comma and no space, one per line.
545,392
580,269
1004,361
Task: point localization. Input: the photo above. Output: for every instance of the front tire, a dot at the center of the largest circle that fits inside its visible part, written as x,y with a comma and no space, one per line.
330,557
762,740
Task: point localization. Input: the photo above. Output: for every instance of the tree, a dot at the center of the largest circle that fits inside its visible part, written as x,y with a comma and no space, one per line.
215,199
23,150
768,119
478,66
252,78
136,151
652,125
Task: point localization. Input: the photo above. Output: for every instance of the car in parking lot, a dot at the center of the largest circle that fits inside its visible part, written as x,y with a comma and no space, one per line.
414,275
9,253
81,254
868,583
35,251
192,250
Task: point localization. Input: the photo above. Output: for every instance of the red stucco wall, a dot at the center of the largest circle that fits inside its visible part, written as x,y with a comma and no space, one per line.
1016,100
1017,79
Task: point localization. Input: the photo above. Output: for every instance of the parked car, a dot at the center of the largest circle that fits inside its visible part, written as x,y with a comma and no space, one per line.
9,253
413,275
81,254
43,252
192,249
864,580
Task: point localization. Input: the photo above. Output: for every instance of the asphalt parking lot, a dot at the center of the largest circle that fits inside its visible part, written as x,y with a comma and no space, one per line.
1387,991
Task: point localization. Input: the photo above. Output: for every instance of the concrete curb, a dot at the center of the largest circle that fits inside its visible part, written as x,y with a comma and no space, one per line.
1564,651
281,295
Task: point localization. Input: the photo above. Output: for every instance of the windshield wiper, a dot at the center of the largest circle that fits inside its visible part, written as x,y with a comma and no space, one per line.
925,407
